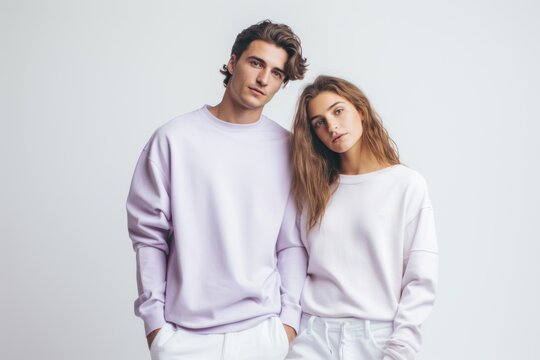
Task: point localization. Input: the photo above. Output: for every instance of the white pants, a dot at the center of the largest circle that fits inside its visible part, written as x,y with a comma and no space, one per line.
340,338
266,341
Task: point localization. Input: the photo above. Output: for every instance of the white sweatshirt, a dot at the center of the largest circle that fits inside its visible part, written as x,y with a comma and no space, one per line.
375,255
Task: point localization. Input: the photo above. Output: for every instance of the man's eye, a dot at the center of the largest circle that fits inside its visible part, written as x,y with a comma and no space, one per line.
278,74
255,63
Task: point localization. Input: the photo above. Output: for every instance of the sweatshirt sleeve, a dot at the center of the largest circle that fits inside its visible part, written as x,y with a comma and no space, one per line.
292,266
149,226
418,286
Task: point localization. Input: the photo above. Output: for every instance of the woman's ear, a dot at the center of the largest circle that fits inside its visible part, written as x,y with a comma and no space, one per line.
362,115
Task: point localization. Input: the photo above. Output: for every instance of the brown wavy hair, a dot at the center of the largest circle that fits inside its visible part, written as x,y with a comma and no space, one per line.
280,35
316,167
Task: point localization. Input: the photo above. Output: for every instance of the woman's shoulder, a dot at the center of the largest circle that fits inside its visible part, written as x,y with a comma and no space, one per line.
415,189
408,176
411,181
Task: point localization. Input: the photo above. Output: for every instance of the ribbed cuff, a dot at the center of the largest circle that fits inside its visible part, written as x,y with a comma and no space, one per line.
290,317
153,321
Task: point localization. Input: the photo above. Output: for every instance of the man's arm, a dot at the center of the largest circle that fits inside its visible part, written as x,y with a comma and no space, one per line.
292,267
149,226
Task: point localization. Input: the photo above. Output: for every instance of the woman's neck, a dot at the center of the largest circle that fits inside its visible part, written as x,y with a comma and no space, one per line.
359,162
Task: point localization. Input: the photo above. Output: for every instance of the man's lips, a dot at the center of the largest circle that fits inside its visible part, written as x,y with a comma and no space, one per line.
337,137
257,90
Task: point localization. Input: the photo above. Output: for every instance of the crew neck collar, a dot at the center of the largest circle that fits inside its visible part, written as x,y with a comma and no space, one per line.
228,125
355,179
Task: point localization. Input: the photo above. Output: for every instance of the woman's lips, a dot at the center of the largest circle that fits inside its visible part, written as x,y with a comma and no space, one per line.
338,137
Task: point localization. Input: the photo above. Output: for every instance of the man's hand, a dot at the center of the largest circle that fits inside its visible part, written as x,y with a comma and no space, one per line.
150,337
291,333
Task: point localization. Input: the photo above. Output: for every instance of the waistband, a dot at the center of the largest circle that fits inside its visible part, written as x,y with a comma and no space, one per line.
346,327
352,325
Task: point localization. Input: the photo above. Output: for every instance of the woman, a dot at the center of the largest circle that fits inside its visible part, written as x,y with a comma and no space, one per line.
367,224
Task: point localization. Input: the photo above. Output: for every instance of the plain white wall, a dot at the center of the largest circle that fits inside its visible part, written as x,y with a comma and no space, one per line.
84,83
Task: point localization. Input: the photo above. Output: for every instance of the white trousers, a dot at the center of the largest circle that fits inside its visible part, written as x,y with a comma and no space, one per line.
266,341
340,339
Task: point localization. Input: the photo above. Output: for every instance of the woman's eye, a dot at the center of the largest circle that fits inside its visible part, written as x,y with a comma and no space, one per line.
338,111
318,123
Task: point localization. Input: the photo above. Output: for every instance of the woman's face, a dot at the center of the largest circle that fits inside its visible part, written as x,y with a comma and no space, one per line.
336,122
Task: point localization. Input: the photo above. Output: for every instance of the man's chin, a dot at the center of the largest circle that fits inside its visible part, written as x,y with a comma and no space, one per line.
253,105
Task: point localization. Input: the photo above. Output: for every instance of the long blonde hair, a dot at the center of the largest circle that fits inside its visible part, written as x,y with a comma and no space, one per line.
316,167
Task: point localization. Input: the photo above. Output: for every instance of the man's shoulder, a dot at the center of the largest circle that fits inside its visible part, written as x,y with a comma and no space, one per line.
276,127
178,123
173,130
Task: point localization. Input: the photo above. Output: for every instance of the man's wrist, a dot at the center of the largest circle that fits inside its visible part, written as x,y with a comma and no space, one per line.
290,331
151,336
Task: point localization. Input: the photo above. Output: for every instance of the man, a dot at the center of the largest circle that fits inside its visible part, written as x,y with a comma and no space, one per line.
220,266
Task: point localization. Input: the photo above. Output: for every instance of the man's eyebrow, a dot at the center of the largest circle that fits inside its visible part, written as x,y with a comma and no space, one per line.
256,58
252,57
331,106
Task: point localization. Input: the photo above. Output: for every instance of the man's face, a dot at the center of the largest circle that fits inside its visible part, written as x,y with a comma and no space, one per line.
256,75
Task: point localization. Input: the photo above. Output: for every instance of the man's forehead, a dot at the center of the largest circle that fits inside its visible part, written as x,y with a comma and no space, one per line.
268,52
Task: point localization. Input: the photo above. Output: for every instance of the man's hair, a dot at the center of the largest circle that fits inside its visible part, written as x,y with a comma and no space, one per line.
278,34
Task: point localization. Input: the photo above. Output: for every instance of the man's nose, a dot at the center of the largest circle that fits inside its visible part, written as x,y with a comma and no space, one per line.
262,78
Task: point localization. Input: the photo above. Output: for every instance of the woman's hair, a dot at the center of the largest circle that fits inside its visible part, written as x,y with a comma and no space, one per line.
316,167
278,34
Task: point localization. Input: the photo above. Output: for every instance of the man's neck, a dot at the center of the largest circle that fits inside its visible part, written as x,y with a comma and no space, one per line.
230,112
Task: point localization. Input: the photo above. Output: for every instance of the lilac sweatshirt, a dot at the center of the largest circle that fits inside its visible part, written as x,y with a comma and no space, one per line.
214,226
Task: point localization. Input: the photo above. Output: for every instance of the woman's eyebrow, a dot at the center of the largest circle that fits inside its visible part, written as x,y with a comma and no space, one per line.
331,106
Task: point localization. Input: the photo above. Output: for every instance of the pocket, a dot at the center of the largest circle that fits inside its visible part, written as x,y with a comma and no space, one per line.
282,333
380,337
163,335
301,334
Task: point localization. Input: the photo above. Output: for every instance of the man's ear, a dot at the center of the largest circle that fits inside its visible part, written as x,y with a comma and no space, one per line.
231,64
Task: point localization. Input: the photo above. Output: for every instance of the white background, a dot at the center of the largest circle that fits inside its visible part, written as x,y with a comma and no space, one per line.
84,84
